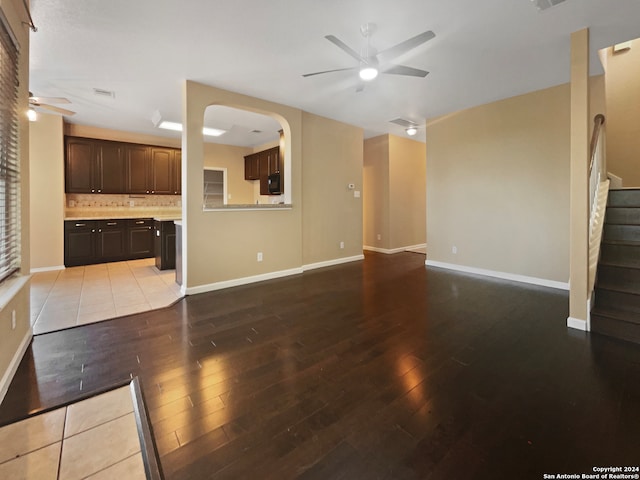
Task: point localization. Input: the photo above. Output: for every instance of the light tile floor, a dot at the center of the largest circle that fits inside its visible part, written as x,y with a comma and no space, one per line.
94,439
81,295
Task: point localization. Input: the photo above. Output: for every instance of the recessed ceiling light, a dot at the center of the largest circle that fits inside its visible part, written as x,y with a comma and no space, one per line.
211,132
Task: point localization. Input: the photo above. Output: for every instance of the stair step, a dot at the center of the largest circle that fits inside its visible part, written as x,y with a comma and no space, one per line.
630,233
615,299
615,323
626,197
622,216
620,278
620,254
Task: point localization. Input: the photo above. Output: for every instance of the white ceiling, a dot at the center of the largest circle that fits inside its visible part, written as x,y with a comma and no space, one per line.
143,49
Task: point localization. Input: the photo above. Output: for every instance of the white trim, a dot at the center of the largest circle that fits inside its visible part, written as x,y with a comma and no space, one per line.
14,364
505,276
236,282
577,323
47,269
329,263
386,251
414,247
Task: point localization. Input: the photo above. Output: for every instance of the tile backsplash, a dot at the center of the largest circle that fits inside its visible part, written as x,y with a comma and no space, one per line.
81,200
78,205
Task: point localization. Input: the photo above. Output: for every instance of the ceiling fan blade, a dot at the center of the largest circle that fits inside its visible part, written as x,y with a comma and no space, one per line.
403,47
33,99
62,111
404,70
329,71
343,46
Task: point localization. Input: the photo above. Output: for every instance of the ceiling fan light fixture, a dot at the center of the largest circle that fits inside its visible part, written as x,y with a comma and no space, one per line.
32,115
411,131
368,73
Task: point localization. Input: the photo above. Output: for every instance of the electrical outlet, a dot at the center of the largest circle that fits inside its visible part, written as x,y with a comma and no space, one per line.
379,237
356,194
341,244
13,320
454,250
259,256
132,203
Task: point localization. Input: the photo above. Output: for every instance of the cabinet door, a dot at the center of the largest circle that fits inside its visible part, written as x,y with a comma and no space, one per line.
162,171
111,241
140,238
263,167
137,168
274,160
111,177
251,167
177,172
79,243
80,163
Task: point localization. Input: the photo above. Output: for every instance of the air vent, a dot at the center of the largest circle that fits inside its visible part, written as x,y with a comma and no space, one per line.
256,131
544,4
104,93
403,123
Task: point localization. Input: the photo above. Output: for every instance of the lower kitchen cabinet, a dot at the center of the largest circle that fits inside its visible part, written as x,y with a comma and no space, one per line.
98,241
165,244
140,234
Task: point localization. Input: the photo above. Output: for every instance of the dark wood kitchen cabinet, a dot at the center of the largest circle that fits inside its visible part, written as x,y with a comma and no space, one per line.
165,171
94,166
269,163
103,166
137,167
98,241
252,167
165,244
140,238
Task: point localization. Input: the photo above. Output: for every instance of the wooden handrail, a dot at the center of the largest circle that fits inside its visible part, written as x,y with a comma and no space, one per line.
598,122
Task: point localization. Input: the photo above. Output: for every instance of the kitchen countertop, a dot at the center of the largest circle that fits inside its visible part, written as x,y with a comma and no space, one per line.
252,206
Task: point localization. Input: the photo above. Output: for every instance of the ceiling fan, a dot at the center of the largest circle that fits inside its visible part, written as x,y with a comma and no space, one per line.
371,62
43,102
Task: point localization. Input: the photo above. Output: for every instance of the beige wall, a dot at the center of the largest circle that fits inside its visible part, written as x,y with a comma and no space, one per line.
376,192
322,157
231,158
497,186
46,158
623,113
119,136
222,246
408,183
331,160
14,293
394,192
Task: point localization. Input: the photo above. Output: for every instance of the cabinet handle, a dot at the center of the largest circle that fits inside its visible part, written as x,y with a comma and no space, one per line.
153,191
93,191
112,223
99,230
147,191
140,222
99,191
149,228
93,230
81,224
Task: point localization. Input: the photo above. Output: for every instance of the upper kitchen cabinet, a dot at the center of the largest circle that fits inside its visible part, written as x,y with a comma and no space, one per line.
93,166
102,166
269,164
137,169
165,171
252,167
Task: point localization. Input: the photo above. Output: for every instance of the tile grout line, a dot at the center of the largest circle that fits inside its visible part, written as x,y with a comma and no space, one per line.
64,428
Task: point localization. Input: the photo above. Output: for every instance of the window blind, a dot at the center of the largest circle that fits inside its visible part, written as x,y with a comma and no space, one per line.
9,163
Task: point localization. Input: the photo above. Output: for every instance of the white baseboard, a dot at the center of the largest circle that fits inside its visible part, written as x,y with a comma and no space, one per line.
330,263
577,323
503,275
391,251
13,365
47,269
236,282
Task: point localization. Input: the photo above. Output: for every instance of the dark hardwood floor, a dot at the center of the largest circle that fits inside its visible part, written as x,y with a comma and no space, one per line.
376,369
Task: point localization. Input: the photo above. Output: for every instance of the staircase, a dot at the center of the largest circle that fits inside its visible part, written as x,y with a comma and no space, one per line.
616,312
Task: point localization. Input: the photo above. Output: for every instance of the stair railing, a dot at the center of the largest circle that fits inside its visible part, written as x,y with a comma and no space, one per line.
598,192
